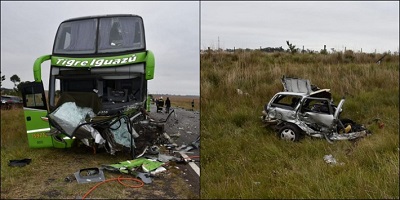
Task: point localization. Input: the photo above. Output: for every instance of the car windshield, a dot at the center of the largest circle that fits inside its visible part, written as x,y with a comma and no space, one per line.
115,34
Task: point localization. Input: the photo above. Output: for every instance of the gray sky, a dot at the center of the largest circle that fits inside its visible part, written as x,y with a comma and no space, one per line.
172,32
354,25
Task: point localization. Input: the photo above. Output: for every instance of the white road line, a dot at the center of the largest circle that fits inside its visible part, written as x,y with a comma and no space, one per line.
183,154
192,164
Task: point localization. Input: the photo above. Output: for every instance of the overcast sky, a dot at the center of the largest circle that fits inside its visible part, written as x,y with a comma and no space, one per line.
354,25
172,32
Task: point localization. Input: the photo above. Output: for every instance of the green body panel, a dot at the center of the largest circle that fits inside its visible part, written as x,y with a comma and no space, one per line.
150,65
38,129
66,142
37,67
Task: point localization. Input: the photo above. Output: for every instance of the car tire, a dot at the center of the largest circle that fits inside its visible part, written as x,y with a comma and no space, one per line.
290,132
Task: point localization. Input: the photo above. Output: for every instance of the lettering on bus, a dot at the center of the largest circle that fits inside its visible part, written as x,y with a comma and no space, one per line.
95,62
39,135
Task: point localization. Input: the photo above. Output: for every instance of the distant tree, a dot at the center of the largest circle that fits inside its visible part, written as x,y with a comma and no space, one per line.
15,79
2,79
324,51
292,48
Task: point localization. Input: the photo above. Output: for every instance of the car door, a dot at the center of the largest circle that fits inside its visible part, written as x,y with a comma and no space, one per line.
35,113
317,111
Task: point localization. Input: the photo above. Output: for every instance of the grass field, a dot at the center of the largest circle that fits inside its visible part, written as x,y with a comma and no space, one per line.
44,176
243,159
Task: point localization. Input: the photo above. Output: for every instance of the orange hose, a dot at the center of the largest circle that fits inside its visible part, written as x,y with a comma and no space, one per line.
119,181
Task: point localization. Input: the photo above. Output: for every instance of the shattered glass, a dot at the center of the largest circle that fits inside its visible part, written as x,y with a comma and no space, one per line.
69,116
121,133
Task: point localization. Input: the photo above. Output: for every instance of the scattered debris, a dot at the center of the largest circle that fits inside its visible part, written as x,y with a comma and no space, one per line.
158,170
331,160
145,177
379,61
178,134
89,175
70,178
19,163
240,92
166,158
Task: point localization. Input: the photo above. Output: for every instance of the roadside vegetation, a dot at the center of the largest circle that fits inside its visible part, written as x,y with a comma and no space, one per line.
243,159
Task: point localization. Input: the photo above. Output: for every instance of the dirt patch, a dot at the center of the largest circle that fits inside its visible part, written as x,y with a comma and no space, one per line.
51,193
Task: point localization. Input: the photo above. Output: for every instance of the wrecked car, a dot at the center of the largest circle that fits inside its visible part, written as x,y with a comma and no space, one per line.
304,109
99,69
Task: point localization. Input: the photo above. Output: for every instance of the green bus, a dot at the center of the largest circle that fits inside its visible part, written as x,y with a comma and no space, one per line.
99,68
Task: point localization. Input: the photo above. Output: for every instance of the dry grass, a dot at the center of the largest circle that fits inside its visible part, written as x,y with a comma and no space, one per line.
241,159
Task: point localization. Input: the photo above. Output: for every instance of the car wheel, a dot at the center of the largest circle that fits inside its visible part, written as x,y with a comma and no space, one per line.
290,132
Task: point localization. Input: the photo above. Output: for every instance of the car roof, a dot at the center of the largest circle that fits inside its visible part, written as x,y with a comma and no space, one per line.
10,96
294,93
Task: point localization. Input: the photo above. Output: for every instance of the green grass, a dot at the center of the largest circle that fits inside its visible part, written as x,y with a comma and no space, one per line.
242,159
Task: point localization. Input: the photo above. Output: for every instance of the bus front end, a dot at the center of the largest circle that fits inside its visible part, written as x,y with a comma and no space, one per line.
97,88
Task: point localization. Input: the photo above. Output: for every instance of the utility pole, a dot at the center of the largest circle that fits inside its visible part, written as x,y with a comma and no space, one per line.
218,43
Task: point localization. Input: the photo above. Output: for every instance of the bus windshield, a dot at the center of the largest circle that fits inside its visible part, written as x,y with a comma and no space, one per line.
100,35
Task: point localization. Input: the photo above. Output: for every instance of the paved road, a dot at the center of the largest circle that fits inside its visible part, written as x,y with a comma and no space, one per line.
183,129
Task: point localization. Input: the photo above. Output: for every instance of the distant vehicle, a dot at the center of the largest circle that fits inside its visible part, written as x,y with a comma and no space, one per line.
302,109
10,99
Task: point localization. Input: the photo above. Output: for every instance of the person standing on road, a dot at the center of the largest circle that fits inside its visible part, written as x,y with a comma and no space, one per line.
192,104
160,104
167,105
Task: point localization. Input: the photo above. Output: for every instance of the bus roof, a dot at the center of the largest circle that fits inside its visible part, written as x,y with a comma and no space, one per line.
101,16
